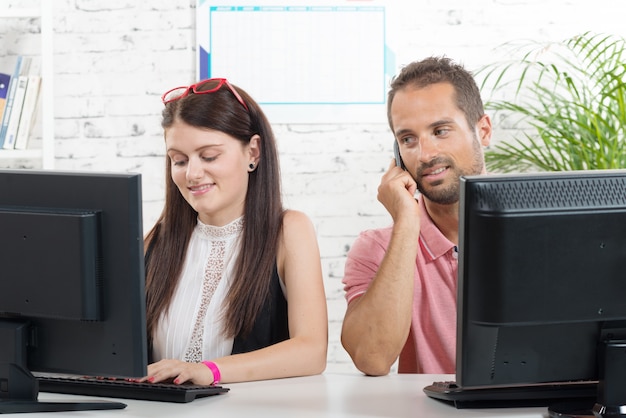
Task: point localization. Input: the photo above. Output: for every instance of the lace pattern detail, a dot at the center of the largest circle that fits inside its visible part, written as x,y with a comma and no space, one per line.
225,231
213,273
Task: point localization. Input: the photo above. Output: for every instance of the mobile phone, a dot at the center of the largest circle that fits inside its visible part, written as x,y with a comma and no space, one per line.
396,154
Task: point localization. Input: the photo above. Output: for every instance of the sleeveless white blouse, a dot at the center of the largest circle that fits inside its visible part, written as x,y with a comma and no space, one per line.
192,328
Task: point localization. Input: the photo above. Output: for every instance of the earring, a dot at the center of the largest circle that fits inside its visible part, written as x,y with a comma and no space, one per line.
251,166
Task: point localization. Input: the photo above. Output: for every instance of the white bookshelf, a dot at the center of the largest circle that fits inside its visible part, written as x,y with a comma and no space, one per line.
45,153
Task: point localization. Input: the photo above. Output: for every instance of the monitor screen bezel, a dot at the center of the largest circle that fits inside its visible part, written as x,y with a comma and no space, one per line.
116,345
519,349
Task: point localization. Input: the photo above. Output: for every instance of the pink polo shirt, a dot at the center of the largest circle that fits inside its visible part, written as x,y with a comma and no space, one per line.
432,340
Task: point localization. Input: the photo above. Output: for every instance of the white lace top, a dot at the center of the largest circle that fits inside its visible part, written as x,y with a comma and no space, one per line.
192,328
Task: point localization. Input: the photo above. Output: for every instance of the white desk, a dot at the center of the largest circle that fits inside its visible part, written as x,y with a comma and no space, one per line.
326,395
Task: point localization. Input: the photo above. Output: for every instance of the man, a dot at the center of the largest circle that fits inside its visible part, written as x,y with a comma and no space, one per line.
401,281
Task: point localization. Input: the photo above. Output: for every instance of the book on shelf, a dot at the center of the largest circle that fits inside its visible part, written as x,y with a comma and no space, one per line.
5,79
29,107
17,104
16,111
9,100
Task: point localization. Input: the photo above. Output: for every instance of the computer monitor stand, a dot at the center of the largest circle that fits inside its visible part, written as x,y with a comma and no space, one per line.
19,389
611,399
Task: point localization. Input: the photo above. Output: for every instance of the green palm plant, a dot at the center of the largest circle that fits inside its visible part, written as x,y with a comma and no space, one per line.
569,104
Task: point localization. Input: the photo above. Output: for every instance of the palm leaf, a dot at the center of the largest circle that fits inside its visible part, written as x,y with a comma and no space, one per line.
567,101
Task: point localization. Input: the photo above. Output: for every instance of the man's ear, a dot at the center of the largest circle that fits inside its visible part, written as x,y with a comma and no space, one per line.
484,130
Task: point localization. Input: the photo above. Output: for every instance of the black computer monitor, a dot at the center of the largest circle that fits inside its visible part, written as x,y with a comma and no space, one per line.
71,281
542,281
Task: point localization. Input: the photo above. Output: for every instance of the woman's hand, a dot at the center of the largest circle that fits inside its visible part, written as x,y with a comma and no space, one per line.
179,372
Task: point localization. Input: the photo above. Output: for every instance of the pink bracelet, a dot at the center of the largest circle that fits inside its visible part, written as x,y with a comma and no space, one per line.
214,369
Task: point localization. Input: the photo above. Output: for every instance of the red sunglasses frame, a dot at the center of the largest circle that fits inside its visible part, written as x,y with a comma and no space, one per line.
194,88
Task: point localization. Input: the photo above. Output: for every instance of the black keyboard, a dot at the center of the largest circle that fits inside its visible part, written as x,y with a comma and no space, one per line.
539,395
120,388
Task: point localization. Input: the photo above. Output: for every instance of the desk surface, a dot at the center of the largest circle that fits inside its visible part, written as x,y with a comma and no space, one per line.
326,395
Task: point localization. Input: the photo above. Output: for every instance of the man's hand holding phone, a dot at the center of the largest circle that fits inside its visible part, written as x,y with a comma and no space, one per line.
397,191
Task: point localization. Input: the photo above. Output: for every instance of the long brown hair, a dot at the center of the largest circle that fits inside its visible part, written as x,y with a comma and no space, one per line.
167,242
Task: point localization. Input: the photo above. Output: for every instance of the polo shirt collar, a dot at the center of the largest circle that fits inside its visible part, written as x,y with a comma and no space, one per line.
432,241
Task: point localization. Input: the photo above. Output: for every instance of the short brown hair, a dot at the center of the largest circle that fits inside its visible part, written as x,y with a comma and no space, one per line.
434,70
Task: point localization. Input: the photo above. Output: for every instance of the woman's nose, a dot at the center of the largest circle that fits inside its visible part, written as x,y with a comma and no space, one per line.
194,169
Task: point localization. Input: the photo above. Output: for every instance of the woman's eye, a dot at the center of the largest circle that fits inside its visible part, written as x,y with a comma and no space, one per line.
209,158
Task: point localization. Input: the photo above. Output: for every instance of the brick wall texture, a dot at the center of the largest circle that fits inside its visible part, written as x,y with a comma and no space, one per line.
113,59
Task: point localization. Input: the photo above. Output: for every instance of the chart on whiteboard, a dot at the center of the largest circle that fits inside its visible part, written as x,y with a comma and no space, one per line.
302,63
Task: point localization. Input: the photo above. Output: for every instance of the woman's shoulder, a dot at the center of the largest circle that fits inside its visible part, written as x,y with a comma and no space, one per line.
296,222
298,240
291,216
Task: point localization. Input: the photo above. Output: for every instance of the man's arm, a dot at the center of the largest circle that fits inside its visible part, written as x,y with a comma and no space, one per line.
376,324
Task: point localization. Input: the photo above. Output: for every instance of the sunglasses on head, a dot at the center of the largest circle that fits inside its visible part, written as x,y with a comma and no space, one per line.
210,85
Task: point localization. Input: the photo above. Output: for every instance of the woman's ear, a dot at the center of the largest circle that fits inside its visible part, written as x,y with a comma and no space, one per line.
254,151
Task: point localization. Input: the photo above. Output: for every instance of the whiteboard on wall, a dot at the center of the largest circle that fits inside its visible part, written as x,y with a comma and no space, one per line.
303,62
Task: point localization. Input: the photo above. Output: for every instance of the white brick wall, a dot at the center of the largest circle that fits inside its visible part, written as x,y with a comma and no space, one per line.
113,59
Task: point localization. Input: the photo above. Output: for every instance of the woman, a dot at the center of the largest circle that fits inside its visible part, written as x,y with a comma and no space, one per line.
233,280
